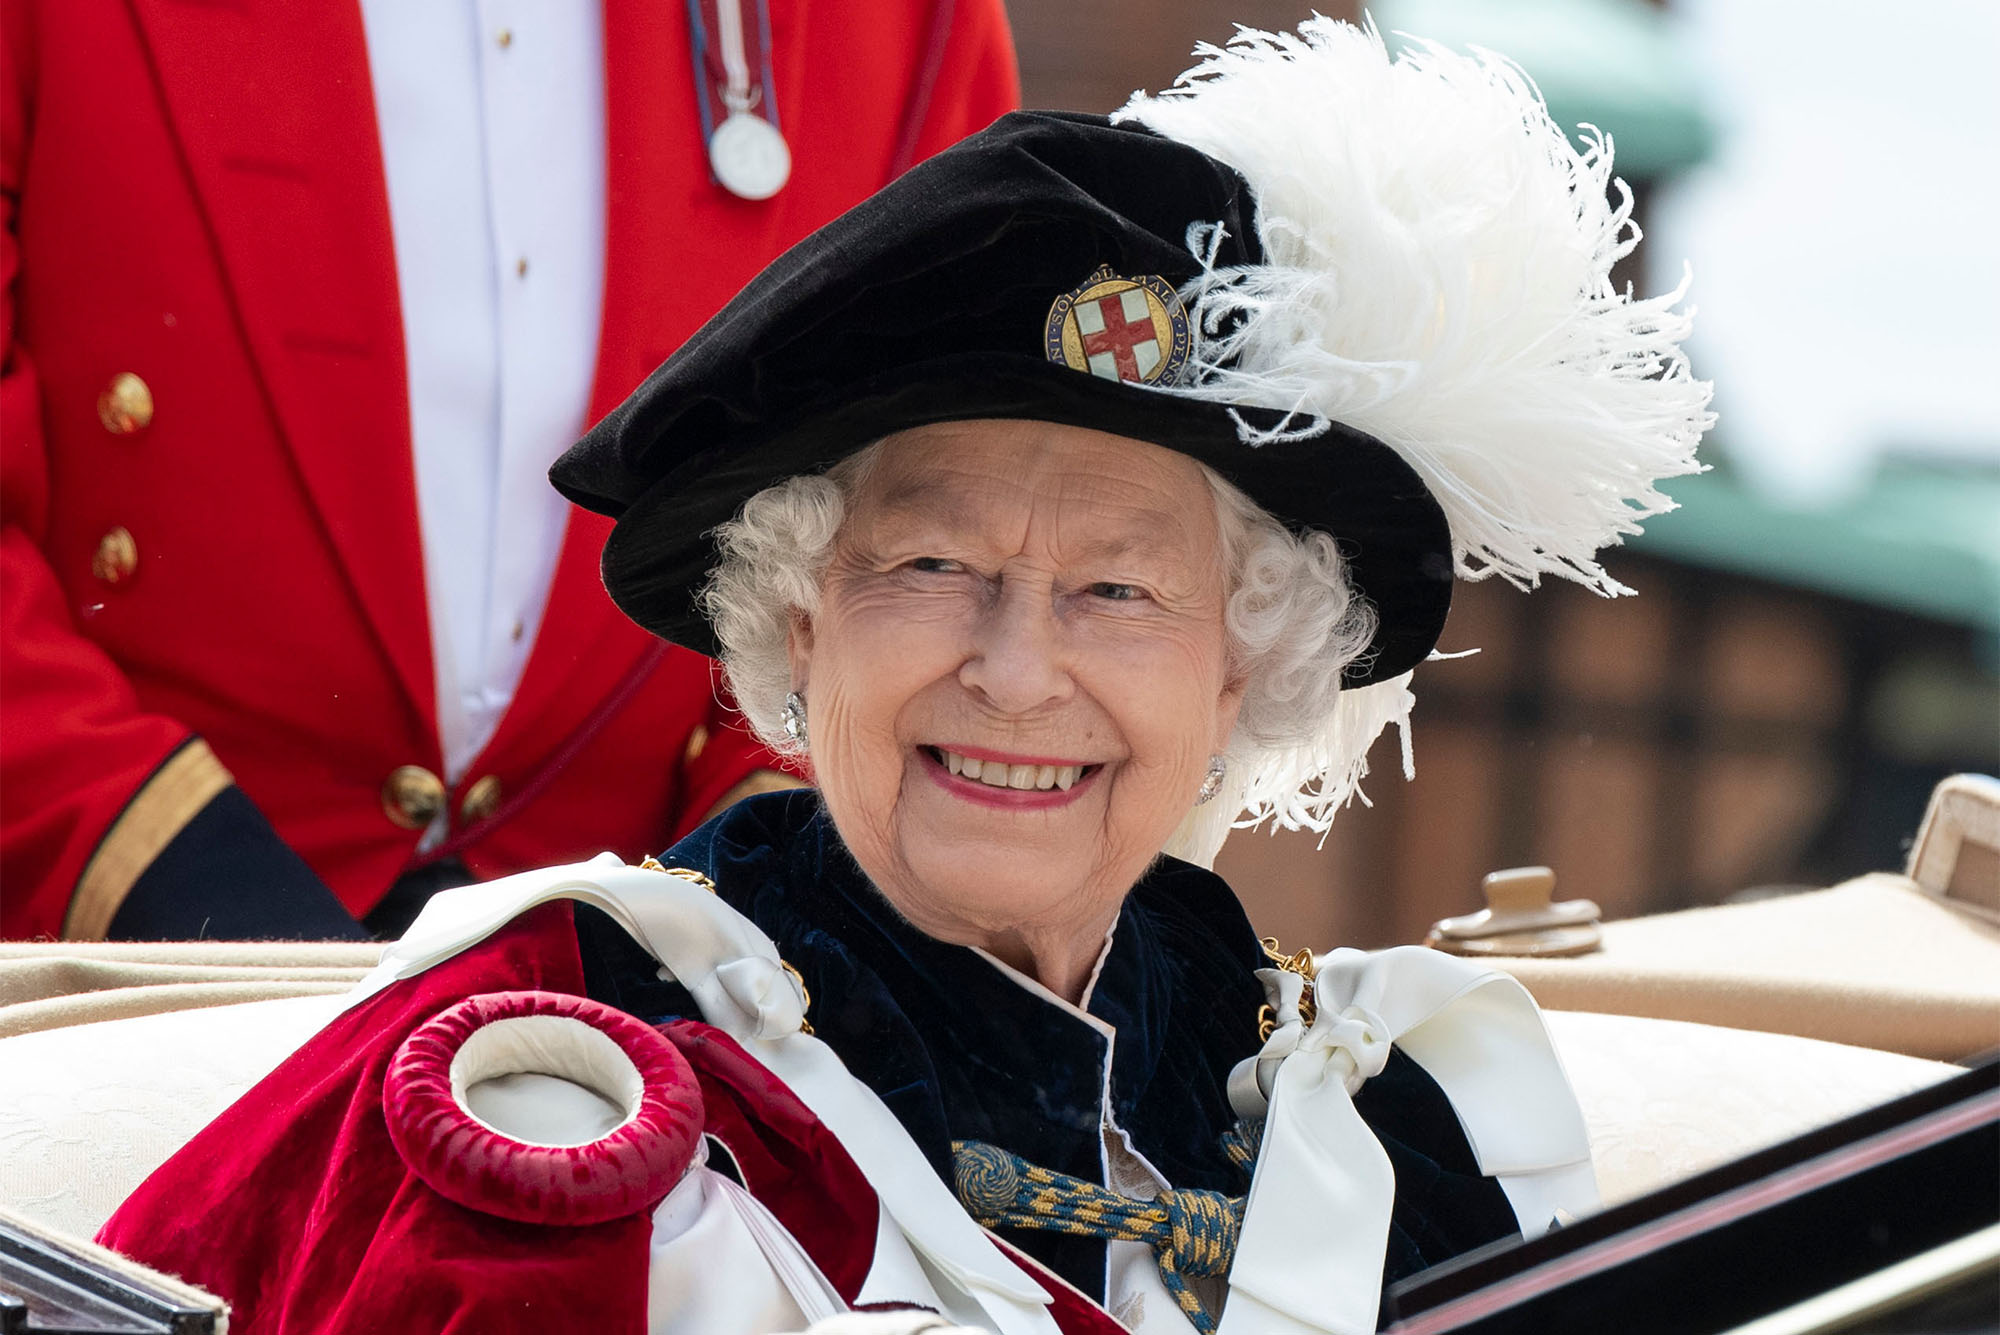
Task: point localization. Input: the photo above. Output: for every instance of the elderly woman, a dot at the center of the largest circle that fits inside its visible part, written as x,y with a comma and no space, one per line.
1092,486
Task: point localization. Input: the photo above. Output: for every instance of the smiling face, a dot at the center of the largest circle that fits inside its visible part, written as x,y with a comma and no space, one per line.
1029,600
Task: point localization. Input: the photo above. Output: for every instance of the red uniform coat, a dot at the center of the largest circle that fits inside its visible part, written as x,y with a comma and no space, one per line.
193,194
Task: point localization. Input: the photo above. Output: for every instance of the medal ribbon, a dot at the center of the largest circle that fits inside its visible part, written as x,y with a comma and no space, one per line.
732,61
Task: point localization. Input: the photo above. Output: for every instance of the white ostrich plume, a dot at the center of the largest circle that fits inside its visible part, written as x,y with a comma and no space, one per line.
1438,274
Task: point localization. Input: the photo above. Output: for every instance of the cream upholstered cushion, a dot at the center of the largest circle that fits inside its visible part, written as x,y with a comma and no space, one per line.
86,1112
1666,1099
49,984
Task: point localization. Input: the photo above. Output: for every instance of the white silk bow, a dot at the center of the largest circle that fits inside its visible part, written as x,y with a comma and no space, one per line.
1309,1258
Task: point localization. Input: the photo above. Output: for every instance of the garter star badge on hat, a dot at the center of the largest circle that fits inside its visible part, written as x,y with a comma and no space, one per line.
1132,329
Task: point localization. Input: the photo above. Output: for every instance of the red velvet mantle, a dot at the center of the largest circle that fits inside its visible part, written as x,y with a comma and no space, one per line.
296,1207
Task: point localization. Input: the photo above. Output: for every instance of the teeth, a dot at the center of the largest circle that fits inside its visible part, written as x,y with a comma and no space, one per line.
1026,778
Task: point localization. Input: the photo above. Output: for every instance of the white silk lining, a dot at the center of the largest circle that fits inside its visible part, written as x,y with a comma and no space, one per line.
546,1080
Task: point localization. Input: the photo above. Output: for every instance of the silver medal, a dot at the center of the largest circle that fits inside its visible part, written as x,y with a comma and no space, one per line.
749,156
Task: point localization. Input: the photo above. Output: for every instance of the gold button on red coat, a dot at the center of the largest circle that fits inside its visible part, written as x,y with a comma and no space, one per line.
117,556
126,405
481,801
412,796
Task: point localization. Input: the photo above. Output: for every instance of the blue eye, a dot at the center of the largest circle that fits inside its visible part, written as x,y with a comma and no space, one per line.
936,565
1119,593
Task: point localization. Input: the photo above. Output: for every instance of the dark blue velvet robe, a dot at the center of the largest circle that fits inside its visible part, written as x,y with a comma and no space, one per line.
959,1050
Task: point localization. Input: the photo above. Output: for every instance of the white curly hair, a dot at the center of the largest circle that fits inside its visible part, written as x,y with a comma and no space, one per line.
1292,621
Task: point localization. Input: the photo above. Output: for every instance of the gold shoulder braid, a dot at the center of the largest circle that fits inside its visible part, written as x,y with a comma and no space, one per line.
1300,963
690,874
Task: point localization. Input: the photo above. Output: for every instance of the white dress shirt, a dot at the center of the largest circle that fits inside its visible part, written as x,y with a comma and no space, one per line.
491,115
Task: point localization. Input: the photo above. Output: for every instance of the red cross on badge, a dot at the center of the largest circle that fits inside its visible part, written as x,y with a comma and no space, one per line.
1131,329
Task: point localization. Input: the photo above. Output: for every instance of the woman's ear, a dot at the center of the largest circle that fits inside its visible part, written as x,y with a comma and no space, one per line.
798,649
1227,706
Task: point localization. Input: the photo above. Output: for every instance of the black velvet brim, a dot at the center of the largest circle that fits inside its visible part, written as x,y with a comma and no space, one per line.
1393,534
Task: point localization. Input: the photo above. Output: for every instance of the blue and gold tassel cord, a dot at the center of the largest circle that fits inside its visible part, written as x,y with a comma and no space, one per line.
1192,1233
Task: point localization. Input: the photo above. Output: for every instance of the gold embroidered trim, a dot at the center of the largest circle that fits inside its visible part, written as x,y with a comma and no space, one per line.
178,790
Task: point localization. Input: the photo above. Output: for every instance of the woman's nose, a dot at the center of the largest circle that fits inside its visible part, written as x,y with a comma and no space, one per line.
1017,662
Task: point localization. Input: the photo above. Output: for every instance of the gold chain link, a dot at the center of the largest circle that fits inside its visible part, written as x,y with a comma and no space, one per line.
805,997
685,873
1299,962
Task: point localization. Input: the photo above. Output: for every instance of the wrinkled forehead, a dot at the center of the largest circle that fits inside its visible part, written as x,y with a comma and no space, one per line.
1084,488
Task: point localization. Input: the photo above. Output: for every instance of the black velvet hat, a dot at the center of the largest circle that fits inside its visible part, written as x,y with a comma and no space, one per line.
1028,272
